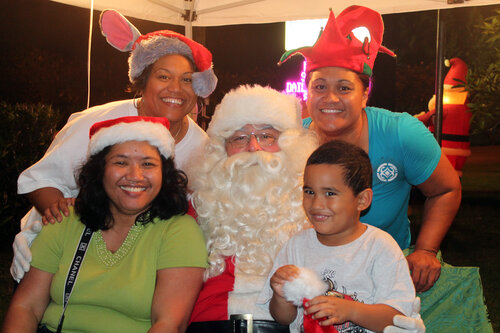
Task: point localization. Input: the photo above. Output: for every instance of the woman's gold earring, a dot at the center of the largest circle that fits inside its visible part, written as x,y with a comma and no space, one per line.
138,101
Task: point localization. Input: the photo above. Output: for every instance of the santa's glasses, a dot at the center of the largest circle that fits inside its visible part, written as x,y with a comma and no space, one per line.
265,138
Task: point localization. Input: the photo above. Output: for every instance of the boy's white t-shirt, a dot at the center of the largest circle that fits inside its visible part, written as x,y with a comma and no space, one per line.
372,269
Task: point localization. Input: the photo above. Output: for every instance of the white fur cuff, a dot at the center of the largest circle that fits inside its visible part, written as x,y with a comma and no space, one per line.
307,285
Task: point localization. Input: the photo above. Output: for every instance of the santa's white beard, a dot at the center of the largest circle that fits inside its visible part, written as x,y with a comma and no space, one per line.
253,178
248,205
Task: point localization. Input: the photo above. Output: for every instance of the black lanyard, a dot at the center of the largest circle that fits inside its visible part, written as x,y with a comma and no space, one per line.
81,249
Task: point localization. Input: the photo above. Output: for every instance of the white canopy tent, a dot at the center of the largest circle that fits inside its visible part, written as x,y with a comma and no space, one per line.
225,12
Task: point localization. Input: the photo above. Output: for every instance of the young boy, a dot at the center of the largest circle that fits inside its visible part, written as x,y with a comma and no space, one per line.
363,265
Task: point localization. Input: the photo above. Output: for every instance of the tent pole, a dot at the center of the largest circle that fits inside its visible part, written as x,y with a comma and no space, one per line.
188,29
189,17
440,42
227,6
89,50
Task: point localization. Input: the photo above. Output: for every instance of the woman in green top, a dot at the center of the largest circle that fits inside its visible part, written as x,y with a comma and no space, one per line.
144,264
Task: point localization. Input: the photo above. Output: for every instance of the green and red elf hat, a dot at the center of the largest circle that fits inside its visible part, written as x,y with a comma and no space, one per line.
352,41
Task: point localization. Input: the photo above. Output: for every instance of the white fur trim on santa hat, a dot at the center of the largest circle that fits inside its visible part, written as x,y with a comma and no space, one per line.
156,134
255,105
307,285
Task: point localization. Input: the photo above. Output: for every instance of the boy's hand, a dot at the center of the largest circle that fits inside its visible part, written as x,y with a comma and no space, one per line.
53,212
282,275
333,309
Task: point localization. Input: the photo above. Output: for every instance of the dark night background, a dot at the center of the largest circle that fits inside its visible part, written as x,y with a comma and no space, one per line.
43,79
44,56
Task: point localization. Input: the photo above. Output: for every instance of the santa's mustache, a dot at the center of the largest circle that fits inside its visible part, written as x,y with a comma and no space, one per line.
250,179
268,162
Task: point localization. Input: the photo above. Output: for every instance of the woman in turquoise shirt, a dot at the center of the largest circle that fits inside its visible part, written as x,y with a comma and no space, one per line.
402,151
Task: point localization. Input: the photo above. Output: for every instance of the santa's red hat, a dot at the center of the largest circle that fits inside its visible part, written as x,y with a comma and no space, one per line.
256,105
147,49
352,41
457,75
134,128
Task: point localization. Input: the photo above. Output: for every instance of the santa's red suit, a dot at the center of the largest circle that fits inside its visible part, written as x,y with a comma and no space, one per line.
226,294
456,116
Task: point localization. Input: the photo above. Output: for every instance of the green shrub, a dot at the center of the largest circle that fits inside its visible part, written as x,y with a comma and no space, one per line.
26,131
483,82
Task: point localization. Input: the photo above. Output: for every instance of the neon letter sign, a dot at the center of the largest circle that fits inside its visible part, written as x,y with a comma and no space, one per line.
298,88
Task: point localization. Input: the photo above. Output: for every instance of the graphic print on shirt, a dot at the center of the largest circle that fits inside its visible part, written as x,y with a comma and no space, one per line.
333,291
387,172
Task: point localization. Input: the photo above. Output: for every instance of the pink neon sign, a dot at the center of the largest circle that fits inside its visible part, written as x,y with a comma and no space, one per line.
298,88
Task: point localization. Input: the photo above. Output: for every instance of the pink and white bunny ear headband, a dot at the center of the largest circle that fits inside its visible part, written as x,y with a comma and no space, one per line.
147,49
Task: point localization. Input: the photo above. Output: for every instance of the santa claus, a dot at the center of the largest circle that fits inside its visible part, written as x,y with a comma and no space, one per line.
247,193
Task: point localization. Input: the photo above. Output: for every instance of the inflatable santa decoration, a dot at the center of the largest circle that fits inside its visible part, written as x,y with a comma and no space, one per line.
456,115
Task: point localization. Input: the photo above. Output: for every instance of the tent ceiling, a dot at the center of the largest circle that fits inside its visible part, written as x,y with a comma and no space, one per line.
226,12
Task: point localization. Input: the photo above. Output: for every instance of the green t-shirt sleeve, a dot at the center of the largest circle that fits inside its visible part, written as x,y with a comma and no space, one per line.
183,244
47,248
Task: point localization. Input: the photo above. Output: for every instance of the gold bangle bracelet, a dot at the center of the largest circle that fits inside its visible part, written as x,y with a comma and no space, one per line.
427,250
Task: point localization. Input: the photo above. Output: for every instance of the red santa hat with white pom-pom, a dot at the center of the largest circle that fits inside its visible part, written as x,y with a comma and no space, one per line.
154,130
457,75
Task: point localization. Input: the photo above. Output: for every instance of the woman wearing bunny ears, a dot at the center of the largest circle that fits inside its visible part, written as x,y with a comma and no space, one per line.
168,72
126,258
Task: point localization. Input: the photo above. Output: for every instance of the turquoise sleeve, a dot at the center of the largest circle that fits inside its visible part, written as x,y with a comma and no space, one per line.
421,152
306,122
